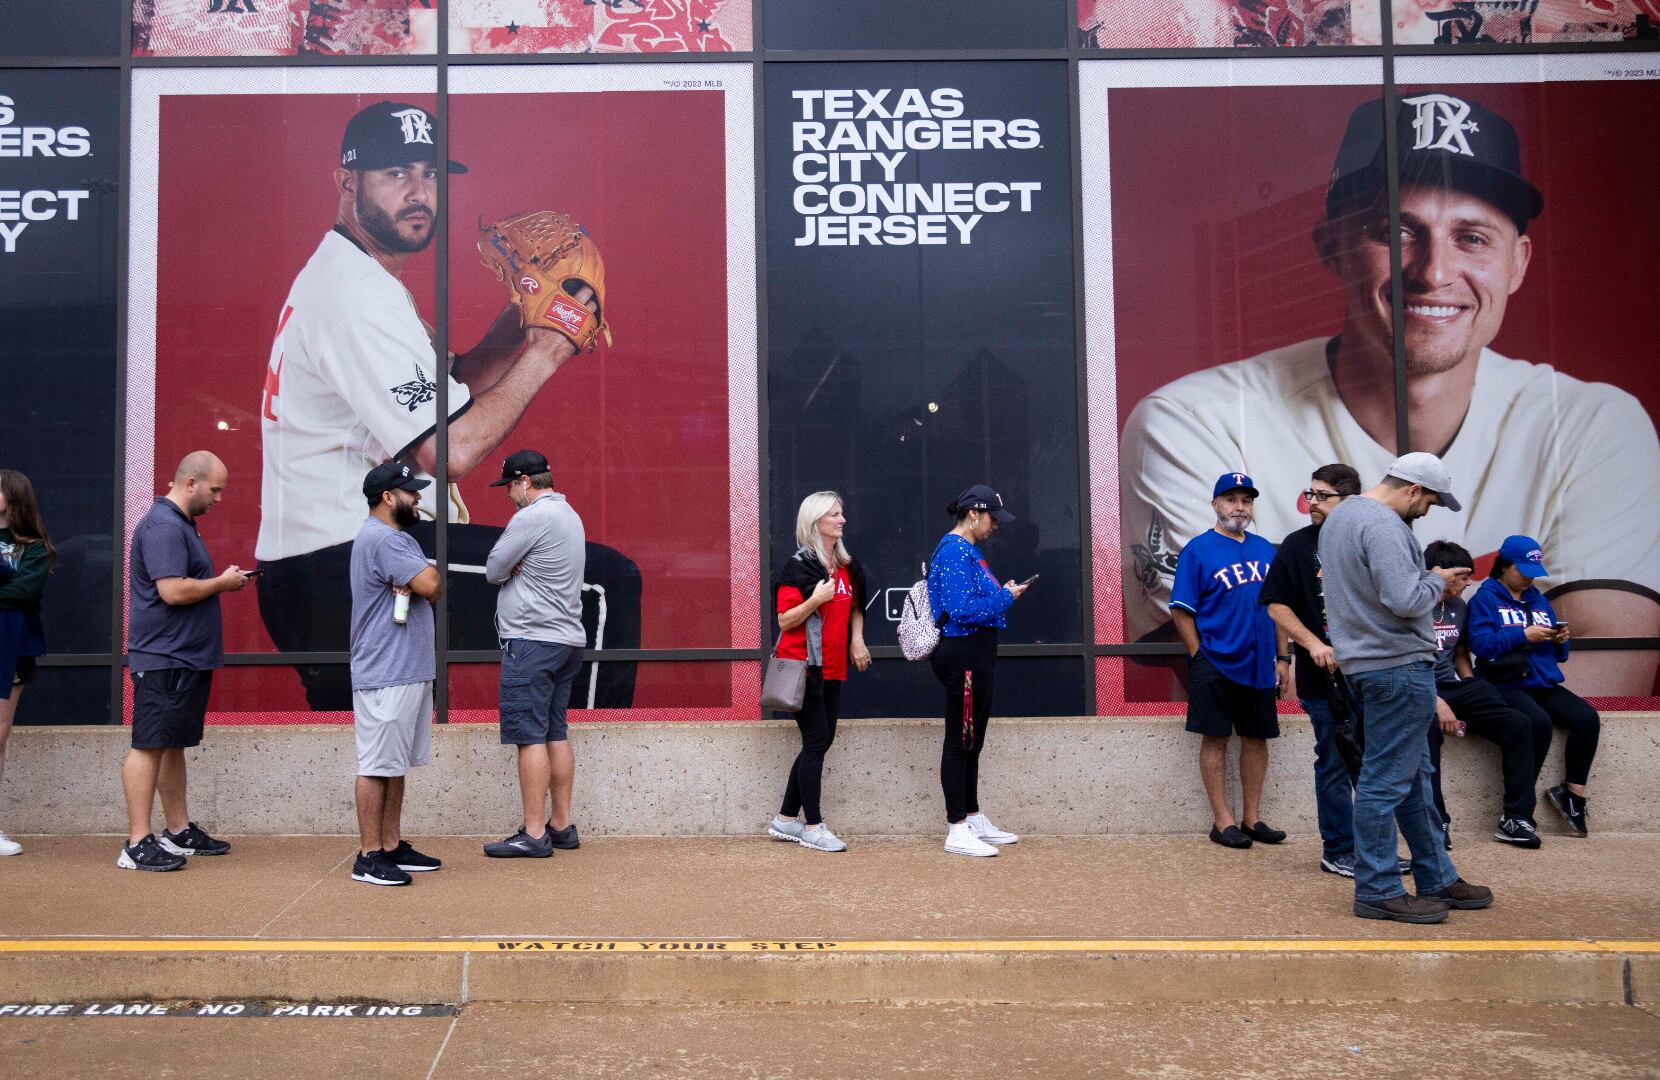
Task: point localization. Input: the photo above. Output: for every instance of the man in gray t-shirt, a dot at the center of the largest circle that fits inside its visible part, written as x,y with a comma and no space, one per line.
1379,598
393,590
538,564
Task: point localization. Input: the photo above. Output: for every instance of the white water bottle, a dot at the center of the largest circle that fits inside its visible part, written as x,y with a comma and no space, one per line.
400,608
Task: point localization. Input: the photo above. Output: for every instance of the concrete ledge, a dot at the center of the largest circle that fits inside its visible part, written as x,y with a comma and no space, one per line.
1042,776
1199,973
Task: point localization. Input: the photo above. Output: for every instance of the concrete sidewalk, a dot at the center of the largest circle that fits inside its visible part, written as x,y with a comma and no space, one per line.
1053,920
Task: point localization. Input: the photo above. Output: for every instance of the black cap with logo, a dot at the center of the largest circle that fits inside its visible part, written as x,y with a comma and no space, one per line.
521,463
980,497
1443,140
391,133
389,477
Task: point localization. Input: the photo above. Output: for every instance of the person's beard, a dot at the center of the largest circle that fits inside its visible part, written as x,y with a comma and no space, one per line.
381,226
404,514
1230,523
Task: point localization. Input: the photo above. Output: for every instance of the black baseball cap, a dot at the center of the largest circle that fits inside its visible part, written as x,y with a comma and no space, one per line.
389,477
521,463
1443,140
391,133
980,497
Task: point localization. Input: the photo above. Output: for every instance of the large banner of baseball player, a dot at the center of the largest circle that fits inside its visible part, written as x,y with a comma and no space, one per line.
1239,319
58,244
921,332
263,332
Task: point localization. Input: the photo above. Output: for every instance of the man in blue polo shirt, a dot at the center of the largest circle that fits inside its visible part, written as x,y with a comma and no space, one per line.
174,643
1231,642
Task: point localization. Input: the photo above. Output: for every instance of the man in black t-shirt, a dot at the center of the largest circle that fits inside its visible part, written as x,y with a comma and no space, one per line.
1462,698
1297,604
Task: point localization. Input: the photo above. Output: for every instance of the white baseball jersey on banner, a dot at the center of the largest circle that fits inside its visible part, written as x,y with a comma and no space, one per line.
1539,453
349,385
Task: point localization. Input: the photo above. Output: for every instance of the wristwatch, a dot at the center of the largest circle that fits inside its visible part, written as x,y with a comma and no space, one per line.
1286,659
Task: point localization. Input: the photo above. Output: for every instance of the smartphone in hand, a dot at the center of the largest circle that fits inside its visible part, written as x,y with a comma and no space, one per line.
1029,580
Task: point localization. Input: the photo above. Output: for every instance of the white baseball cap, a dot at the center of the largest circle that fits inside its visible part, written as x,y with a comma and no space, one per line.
1429,472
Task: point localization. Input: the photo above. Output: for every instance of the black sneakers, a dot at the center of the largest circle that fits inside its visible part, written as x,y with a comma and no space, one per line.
192,840
521,846
1517,831
407,859
564,839
147,854
1264,833
374,868
1570,806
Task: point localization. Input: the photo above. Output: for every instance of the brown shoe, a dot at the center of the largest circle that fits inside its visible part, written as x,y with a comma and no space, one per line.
1404,908
1462,895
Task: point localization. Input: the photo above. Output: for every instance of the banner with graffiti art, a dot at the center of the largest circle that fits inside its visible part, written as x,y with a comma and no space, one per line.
284,27
1222,24
600,26
1510,22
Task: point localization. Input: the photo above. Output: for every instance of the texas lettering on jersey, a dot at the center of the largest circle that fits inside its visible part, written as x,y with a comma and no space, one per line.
1248,572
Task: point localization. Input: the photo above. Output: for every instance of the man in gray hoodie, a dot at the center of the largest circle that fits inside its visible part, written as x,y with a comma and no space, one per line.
1378,601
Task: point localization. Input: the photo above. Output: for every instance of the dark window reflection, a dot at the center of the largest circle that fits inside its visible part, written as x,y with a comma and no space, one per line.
61,27
66,695
1025,686
909,24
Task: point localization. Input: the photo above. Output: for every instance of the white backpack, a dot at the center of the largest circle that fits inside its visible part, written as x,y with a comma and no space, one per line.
918,633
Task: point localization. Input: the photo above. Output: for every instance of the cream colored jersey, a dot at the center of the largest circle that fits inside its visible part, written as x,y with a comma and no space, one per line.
350,385
1575,465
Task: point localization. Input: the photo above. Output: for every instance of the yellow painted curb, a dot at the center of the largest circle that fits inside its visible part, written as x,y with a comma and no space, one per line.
819,948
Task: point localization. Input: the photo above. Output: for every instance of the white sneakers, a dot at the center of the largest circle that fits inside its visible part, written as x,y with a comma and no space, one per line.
781,828
8,846
991,834
962,841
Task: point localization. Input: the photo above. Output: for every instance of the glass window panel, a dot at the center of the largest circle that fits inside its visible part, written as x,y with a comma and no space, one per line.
61,28
65,695
883,24
606,690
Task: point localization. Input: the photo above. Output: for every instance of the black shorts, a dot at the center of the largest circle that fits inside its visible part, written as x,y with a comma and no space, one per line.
169,707
1216,705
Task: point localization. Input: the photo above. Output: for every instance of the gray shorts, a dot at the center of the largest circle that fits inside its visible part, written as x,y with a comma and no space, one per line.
536,678
394,728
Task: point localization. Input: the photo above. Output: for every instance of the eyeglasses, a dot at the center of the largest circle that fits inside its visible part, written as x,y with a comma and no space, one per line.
1319,496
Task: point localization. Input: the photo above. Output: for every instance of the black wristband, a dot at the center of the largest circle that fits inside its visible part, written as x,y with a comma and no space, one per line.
1286,659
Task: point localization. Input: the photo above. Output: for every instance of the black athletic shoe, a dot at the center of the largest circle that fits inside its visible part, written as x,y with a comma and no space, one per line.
411,861
1517,831
147,854
1264,833
1232,837
374,868
521,846
564,839
192,840
1570,806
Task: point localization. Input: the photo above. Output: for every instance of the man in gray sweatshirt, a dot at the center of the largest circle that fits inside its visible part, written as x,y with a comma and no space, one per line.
1378,601
538,563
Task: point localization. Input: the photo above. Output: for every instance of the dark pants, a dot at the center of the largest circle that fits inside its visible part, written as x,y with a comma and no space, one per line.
1523,741
817,721
1333,788
1559,705
964,666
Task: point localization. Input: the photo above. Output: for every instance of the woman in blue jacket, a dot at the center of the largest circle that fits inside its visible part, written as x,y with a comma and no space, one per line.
1512,626
968,606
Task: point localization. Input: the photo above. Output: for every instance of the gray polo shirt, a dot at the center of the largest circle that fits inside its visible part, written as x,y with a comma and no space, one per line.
544,602
385,653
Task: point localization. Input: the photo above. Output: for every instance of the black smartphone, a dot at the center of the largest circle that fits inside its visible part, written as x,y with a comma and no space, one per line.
251,574
1029,580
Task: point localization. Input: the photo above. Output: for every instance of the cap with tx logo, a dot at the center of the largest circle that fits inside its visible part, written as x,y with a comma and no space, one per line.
391,133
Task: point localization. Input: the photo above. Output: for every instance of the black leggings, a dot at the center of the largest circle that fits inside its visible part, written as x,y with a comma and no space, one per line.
1523,741
1559,705
953,660
817,721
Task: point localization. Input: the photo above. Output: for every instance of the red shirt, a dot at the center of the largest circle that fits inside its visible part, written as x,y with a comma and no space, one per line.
838,620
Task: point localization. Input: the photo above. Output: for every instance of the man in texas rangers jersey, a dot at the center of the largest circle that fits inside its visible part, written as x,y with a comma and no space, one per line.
1232,671
1549,455
351,384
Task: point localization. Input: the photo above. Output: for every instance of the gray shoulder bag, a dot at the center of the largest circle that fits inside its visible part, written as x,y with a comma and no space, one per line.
784,685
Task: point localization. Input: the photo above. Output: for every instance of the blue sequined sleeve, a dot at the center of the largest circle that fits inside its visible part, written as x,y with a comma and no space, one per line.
960,583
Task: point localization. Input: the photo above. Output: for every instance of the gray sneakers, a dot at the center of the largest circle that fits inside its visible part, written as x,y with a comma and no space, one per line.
521,846
820,838
782,828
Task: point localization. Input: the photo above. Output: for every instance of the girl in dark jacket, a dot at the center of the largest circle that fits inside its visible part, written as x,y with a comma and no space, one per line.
1513,626
26,556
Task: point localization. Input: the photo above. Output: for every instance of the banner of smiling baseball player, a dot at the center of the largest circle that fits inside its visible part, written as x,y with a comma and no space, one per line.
1239,313
920,319
236,190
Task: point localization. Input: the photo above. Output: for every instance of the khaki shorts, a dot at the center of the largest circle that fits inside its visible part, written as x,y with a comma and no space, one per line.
394,728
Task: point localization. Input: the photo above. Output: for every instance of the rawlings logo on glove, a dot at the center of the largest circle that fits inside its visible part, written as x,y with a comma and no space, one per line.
548,258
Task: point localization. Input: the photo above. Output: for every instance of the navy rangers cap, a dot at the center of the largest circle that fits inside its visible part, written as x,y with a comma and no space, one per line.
1233,481
521,463
1443,140
389,477
1524,552
981,497
391,133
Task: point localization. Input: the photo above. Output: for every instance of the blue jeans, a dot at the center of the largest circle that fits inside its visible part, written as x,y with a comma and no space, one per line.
1333,794
1397,705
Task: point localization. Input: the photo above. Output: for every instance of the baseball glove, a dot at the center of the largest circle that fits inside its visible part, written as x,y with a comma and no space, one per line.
545,258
